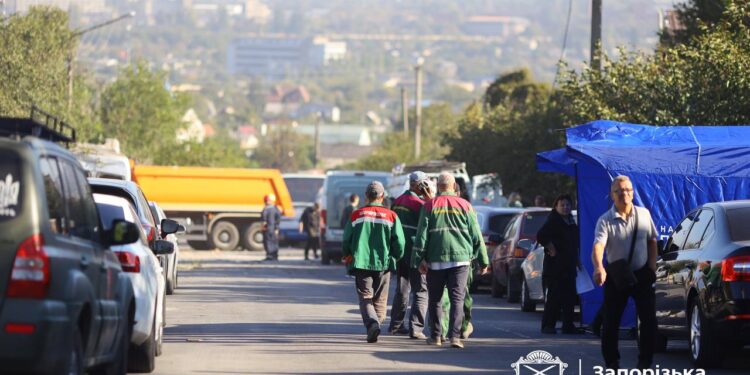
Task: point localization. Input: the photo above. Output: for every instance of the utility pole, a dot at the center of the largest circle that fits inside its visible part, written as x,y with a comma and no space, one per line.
418,117
316,159
405,110
72,57
596,34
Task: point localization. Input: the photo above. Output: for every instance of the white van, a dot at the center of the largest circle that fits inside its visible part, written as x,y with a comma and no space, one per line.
334,197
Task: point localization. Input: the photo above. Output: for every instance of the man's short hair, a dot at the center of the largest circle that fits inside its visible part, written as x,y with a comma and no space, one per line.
616,181
446,179
353,198
375,190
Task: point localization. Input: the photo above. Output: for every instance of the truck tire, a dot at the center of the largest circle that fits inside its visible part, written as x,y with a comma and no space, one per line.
225,236
199,245
252,237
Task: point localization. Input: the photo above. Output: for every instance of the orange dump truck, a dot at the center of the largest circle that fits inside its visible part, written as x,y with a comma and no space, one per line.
219,207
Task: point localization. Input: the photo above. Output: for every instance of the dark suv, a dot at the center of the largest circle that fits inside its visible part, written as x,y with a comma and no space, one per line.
65,305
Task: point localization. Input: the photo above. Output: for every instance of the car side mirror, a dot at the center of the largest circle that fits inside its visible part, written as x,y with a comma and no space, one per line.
123,233
181,228
162,247
169,226
526,244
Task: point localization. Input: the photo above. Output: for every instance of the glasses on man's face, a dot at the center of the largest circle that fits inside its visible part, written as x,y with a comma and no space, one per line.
623,191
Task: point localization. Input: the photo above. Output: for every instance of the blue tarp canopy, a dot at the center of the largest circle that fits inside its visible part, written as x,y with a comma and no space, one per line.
673,169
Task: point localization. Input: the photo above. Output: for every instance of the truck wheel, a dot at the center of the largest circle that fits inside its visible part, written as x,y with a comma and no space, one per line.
225,236
252,237
199,245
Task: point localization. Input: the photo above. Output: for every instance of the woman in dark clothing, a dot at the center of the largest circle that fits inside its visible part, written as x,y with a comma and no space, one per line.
559,236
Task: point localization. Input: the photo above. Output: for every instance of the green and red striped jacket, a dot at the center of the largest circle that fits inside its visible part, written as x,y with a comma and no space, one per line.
448,232
407,207
374,238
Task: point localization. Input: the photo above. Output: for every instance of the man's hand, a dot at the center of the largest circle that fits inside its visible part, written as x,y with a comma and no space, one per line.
600,276
423,267
484,270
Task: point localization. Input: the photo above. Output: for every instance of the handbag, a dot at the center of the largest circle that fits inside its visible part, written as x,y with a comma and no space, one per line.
619,271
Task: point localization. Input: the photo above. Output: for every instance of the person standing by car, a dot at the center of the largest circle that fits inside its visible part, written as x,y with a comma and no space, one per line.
271,217
559,236
409,279
448,238
373,243
347,213
628,236
309,222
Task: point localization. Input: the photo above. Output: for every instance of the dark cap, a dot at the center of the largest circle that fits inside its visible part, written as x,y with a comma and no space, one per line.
374,190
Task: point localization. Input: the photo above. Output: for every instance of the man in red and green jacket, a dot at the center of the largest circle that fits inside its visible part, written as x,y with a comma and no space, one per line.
448,239
409,281
373,243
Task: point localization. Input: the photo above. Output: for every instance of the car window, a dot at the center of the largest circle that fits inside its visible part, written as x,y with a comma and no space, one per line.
79,220
53,189
513,227
677,241
143,202
154,212
109,213
700,224
87,198
498,223
303,189
738,219
532,222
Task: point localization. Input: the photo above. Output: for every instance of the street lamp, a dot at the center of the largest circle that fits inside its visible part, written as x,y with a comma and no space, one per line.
418,109
72,57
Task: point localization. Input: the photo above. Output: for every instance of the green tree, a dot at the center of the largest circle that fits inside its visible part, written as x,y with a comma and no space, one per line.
139,111
285,149
34,61
701,83
695,16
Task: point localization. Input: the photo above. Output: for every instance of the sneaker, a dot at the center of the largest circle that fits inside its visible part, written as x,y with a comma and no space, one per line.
549,330
457,343
437,341
468,331
418,336
372,333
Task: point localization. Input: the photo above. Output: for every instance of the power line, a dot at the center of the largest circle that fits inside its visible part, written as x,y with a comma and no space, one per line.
565,42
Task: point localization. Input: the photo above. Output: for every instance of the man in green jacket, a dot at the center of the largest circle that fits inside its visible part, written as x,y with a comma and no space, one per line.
373,243
448,239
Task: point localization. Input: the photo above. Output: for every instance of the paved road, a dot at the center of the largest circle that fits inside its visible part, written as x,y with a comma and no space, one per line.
234,314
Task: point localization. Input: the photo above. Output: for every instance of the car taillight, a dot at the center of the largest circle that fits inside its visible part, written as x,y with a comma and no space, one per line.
30,275
129,261
323,217
20,328
736,268
150,232
519,252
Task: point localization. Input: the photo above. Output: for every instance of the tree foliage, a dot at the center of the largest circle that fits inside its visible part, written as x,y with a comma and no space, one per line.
283,148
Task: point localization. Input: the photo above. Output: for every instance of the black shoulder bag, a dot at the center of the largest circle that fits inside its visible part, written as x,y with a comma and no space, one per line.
619,271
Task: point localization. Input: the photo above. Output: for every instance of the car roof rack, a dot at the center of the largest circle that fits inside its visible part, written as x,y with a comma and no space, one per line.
39,124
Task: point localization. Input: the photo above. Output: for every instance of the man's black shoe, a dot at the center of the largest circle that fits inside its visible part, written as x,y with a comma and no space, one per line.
372,333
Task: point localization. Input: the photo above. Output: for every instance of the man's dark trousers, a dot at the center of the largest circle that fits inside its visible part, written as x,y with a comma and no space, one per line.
401,298
312,243
455,279
614,304
271,244
372,289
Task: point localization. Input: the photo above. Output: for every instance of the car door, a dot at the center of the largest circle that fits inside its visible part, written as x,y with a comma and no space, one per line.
670,281
109,268
80,238
500,256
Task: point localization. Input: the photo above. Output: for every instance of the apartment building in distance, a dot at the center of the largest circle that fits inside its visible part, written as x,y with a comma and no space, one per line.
276,57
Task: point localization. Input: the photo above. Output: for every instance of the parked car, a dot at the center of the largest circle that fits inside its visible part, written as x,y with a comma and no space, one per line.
507,276
147,277
703,282
304,190
333,197
170,261
492,222
66,307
